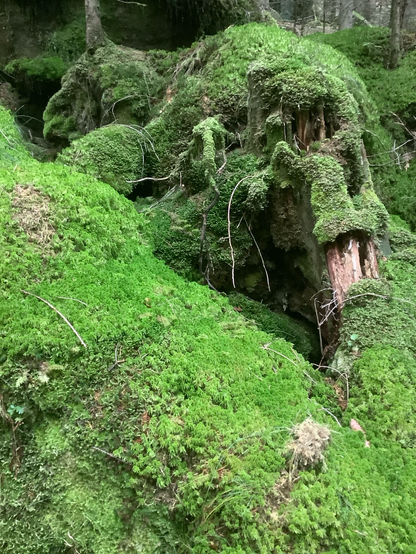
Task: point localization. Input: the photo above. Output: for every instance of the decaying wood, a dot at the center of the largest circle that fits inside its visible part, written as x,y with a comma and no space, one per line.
350,260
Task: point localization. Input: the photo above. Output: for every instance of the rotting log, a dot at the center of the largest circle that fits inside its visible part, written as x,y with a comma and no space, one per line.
349,259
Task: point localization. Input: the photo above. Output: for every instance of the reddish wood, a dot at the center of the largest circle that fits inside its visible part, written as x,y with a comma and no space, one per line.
349,261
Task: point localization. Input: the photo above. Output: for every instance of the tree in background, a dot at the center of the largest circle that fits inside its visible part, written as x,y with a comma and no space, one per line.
95,34
397,13
346,9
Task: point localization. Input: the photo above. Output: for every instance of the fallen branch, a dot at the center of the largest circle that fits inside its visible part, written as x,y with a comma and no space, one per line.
117,361
109,454
261,257
150,179
229,226
204,227
59,313
74,299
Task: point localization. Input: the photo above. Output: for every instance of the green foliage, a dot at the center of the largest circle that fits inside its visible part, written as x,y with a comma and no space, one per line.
114,154
393,92
383,393
68,42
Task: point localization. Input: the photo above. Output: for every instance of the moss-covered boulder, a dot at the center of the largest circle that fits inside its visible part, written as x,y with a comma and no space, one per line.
114,154
115,84
282,175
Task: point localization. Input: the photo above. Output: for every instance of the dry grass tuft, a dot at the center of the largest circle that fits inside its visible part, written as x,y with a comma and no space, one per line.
31,210
311,441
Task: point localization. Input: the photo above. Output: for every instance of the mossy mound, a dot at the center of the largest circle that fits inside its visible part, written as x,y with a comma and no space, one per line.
115,84
114,154
262,130
390,147
169,430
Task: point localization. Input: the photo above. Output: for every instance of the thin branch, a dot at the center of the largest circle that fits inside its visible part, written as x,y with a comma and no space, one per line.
261,257
331,414
74,299
266,347
150,179
229,226
319,326
59,313
204,227
109,454
136,3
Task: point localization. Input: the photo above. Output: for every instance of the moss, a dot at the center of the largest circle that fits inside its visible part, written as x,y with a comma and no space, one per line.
68,42
113,154
277,324
43,68
393,92
336,212
184,413
114,84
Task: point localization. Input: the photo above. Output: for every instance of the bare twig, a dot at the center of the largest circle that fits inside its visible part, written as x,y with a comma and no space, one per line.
229,226
150,179
109,454
319,326
59,313
266,347
331,414
74,299
117,361
261,257
204,227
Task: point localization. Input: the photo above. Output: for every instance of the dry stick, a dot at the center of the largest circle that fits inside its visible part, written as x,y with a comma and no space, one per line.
74,299
204,227
109,454
229,226
261,257
150,179
319,326
59,313
266,347
331,414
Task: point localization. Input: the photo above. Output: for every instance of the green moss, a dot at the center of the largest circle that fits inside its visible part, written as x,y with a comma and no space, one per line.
43,67
393,92
275,323
184,412
336,212
113,154
114,84
68,42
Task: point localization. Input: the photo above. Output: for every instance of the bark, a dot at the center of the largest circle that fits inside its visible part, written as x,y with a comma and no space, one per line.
95,33
403,12
345,14
393,61
350,259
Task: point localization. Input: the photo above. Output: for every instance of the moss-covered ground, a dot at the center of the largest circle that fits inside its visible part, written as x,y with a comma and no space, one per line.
143,412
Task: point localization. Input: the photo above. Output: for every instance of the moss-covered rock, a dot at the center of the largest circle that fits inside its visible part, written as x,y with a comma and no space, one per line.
114,154
115,84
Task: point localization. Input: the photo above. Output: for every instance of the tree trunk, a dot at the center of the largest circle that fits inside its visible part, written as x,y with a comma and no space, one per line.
403,12
345,14
95,33
286,10
396,6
